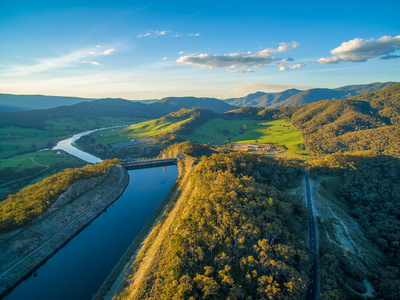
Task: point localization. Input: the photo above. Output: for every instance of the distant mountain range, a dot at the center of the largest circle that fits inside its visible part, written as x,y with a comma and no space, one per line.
10,102
291,97
294,97
109,108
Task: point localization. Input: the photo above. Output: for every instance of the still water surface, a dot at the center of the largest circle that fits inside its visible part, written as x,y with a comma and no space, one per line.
78,269
67,146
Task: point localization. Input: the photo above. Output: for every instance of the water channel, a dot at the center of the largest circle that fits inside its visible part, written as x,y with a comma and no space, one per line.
77,270
67,145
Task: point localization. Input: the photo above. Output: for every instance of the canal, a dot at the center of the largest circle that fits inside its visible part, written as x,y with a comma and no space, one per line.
77,270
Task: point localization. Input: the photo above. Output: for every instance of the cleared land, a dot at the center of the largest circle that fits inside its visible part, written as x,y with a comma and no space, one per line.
142,130
31,160
215,131
219,131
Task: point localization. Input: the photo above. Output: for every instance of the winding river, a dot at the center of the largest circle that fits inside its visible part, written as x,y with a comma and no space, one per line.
67,145
77,270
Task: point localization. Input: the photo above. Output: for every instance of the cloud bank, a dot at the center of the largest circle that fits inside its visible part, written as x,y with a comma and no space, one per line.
263,58
360,50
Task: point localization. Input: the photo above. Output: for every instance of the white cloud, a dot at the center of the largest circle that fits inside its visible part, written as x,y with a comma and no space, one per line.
259,59
162,32
360,50
181,52
95,63
283,65
42,65
157,33
240,71
165,58
105,52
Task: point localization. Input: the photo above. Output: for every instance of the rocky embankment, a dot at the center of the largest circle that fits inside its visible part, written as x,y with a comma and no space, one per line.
24,250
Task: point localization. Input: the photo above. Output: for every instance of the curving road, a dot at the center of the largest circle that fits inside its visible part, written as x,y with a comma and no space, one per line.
312,288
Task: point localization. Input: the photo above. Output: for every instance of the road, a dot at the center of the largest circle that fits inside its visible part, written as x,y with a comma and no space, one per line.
312,289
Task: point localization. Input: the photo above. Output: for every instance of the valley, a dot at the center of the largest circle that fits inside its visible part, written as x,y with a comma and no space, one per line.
231,224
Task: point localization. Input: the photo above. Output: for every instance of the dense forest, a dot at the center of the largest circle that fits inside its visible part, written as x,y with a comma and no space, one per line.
21,208
364,122
370,183
238,235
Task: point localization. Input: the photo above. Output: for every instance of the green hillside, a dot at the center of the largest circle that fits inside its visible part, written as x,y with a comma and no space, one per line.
220,131
365,122
152,128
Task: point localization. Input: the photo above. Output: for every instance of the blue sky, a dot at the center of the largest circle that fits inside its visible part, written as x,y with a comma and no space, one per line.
153,49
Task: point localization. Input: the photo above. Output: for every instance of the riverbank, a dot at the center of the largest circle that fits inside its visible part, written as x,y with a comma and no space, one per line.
164,212
24,250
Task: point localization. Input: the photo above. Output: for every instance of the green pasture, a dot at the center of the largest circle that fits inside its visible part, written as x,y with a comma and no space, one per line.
25,169
219,131
36,159
15,140
274,132
141,130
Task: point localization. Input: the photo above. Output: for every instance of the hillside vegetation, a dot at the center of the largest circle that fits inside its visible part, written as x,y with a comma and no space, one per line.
237,234
366,122
21,208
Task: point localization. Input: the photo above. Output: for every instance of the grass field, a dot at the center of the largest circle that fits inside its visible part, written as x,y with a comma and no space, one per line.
274,132
25,169
15,140
219,131
141,130
32,160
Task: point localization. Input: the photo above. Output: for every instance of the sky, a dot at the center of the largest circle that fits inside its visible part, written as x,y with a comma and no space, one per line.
153,49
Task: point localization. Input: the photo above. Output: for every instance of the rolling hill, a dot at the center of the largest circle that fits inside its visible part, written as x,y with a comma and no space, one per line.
365,122
176,103
294,97
116,108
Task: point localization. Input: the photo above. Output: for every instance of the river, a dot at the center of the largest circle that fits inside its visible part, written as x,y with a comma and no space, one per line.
68,146
77,270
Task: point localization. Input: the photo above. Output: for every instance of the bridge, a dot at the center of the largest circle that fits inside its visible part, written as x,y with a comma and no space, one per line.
149,163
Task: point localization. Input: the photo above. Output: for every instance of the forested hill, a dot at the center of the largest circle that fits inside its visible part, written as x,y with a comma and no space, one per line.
234,233
294,97
176,103
116,108
261,99
366,122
